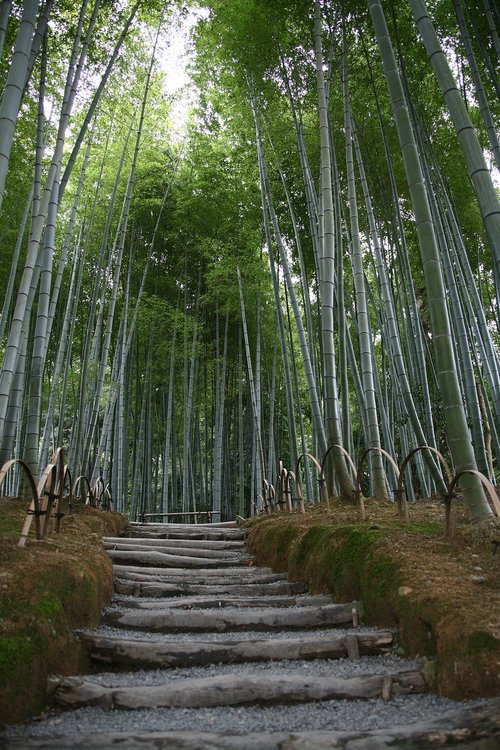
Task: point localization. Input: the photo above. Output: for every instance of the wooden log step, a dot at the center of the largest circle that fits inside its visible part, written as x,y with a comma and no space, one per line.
219,602
213,544
134,654
230,690
242,573
185,532
221,583
166,560
173,525
237,557
194,535
154,589
230,620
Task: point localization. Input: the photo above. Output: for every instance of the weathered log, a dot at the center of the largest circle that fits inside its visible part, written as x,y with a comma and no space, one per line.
219,602
182,526
468,728
203,575
233,690
194,535
134,654
154,589
166,560
235,555
183,531
222,584
215,544
223,620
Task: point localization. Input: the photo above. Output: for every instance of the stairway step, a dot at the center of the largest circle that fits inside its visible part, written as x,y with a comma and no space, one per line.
182,526
222,544
222,602
182,531
200,575
136,654
230,690
228,619
155,588
167,560
154,545
215,544
466,727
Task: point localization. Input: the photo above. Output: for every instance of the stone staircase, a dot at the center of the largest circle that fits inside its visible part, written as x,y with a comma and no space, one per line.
196,626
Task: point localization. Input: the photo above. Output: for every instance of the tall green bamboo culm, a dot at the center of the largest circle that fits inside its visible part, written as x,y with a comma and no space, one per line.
443,352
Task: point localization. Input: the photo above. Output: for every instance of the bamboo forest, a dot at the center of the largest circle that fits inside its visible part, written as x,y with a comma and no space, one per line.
290,259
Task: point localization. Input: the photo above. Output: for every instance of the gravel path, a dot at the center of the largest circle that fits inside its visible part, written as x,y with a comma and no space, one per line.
333,715
317,668
337,715
243,635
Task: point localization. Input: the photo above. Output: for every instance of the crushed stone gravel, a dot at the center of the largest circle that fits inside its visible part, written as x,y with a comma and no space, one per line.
341,715
339,668
244,635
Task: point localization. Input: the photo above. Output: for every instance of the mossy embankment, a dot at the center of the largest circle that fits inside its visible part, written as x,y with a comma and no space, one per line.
444,597
47,589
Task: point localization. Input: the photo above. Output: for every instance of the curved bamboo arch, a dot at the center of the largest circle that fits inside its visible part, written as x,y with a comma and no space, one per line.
287,492
347,455
495,502
322,484
108,495
48,493
50,496
359,497
284,497
401,499
76,485
97,491
34,509
267,497
291,475
272,498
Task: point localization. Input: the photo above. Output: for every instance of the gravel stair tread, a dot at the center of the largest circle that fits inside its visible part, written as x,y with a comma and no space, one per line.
154,588
230,690
226,545
237,555
232,619
476,727
198,638
216,602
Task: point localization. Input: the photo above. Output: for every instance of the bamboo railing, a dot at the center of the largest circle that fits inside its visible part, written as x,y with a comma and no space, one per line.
280,498
53,489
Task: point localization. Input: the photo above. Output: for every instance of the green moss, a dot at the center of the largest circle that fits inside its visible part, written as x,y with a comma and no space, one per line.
49,606
15,651
424,527
312,540
342,559
274,546
481,641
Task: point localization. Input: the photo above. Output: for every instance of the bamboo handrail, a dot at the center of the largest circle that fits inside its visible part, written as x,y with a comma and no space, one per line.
399,471
48,494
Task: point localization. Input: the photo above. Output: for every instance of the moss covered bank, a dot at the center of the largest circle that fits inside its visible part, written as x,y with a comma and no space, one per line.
408,577
47,589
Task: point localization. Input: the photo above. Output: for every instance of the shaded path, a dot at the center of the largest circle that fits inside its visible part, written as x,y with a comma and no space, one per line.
201,649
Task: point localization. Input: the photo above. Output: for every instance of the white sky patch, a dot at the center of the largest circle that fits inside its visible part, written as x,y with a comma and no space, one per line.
174,55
